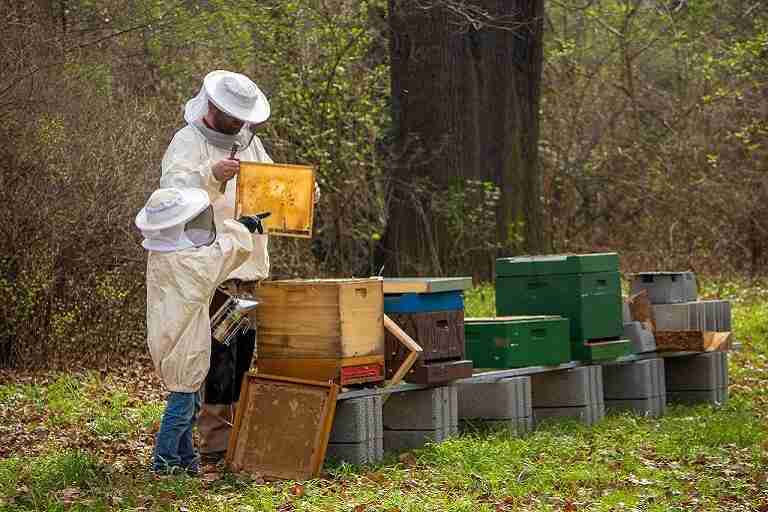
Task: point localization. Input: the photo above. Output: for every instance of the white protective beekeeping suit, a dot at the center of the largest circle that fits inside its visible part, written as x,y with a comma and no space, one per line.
196,148
188,258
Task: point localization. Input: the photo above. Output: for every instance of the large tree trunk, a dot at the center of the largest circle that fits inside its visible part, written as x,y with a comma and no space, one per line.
465,101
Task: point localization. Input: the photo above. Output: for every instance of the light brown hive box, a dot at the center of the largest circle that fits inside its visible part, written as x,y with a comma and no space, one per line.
321,329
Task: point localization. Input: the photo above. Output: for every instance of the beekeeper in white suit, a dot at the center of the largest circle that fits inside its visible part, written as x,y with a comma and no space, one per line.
223,115
187,261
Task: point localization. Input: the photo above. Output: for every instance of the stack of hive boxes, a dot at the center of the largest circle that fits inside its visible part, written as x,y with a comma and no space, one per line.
676,309
517,341
431,311
585,289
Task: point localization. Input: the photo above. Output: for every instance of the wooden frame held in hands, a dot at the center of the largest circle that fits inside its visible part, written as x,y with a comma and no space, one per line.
286,191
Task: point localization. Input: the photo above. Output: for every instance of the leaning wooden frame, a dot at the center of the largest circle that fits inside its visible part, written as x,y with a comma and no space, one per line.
285,190
282,427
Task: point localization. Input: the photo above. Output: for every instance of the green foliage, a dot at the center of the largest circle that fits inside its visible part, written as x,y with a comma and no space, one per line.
480,301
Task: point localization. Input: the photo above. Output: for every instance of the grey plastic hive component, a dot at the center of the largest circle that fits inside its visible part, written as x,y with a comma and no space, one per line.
635,380
709,315
642,339
626,314
666,287
567,388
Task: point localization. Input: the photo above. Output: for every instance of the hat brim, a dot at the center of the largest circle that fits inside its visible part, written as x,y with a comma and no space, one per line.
196,201
258,114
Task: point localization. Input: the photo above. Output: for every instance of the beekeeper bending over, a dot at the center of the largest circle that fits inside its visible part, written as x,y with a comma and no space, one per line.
187,260
221,117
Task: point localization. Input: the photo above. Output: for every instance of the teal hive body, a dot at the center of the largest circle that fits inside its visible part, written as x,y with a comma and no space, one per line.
585,288
515,342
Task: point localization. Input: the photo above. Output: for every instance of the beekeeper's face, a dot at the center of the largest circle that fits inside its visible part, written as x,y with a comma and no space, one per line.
223,122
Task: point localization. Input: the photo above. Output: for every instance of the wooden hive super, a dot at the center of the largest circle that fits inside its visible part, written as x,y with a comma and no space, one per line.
321,329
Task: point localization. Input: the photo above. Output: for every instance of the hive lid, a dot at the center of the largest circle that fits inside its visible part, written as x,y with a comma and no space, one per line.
426,284
557,264
511,319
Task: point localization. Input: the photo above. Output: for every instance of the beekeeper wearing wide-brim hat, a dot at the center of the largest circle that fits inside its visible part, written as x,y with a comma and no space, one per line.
226,110
187,260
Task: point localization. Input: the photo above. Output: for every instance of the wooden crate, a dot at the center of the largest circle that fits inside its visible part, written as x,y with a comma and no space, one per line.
321,329
441,337
692,341
282,427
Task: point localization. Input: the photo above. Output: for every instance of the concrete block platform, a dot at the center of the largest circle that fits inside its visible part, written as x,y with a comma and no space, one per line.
652,406
701,378
357,435
715,397
505,404
576,393
412,419
587,414
637,386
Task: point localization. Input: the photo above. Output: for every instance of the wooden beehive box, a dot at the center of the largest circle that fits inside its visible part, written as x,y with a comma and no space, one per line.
282,427
321,329
286,191
431,312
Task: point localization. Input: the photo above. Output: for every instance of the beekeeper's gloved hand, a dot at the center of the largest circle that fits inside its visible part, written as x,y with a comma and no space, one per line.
253,222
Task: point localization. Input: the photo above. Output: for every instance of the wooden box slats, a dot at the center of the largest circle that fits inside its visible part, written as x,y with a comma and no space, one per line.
320,318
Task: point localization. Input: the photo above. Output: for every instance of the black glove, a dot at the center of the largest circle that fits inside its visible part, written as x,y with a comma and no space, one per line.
253,222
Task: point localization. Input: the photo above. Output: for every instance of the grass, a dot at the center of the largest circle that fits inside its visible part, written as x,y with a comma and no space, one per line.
694,458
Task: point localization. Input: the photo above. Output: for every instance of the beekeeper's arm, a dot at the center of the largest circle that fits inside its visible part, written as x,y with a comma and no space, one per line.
186,164
233,247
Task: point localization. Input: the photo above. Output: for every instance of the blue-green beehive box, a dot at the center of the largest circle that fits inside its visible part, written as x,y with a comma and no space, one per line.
585,288
517,341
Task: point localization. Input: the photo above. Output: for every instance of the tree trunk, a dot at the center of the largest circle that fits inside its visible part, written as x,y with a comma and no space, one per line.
465,101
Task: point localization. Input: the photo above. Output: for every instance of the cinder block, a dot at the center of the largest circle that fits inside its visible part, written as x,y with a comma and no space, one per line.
718,396
653,406
425,409
588,414
634,380
666,287
357,420
502,400
581,386
642,339
402,440
516,426
413,418
369,451
701,372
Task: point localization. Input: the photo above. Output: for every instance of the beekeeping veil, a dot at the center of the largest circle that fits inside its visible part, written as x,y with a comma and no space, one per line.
175,219
235,95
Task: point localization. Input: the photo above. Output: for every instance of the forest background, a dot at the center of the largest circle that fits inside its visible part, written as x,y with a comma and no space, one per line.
653,142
